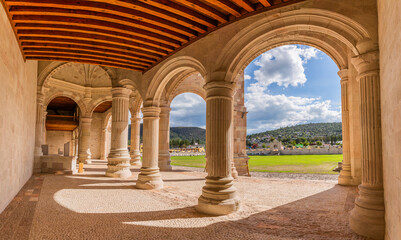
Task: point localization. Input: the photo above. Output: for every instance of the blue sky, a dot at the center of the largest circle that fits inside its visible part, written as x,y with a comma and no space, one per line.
285,86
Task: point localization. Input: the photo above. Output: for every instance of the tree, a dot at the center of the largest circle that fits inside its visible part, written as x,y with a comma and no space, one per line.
272,139
319,143
264,145
192,142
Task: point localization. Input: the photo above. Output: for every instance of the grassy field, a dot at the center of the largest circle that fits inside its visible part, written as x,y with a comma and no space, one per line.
320,164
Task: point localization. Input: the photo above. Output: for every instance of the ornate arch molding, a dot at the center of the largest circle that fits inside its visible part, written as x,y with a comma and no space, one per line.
54,67
106,118
135,105
175,88
77,99
328,31
169,71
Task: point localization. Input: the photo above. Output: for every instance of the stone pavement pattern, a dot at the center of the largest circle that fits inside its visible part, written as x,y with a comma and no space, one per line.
91,206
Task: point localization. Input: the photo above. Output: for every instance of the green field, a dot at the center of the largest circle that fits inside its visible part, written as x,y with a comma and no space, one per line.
320,164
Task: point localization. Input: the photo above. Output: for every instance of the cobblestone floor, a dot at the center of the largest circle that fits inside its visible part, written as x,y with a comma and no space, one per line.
91,206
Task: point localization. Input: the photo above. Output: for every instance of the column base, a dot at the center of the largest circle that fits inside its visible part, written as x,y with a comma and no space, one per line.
118,165
367,217
165,162
218,197
345,177
88,161
136,161
241,165
149,178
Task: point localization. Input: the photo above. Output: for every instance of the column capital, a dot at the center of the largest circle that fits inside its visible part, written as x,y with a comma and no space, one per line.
165,110
135,118
120,92
219,89
87,120
366,63
343,74
151,112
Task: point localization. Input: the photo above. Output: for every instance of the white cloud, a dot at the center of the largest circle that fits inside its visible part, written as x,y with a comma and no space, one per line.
188,110
283,66
247,77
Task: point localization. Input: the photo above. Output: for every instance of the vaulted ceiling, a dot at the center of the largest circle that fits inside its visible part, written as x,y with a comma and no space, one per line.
129,34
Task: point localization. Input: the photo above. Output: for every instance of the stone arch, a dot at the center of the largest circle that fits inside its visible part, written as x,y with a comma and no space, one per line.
75,97
336,35
170,70
97,102
106,118
176,88
135,105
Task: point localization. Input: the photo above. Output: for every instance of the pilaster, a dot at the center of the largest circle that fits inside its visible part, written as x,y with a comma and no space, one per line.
367,217
150,177
219,194
39,130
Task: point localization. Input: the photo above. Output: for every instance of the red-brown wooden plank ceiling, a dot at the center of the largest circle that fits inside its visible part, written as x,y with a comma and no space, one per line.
130,34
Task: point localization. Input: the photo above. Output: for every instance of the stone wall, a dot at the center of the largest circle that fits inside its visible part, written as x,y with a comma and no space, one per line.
56,140
18,114
390,73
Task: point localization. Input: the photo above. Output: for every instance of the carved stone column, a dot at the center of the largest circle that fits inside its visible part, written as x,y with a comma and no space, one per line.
164,139
39,130
72,147
84,152
150,177
118,165
103,144
76,142
367,217
219,195
345,177
135,140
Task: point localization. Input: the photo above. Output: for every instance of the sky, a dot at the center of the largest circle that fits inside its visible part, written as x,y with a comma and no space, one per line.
285,86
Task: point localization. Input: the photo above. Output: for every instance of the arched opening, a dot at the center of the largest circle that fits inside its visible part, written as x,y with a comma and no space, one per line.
101,130
188,130
62,120
293,99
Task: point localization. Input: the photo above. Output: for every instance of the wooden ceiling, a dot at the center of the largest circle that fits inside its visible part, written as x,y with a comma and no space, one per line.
129,34
62,103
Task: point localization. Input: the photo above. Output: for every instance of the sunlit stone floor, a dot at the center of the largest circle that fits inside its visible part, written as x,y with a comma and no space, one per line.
91,206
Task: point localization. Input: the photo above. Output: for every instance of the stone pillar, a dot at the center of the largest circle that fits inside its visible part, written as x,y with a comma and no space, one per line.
84,152
76,142
118,165
103,144
345,177
135,140
150,177
72,147
219,195
39,131
240,156
164,139
367,217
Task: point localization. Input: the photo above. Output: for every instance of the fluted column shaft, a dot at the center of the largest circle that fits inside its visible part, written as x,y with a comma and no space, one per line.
164,139
367,217
219,195
135,140
345,177
39,130
118,160
84,152
150,177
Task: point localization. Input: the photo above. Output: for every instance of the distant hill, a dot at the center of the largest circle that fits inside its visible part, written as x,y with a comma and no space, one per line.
184,133
310,130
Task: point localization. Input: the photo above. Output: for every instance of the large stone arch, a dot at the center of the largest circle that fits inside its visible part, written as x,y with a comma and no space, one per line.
75,97
171,70
94,104
187,82
336,35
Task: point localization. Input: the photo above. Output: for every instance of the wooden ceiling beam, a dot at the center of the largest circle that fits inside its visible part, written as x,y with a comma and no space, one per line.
95,38
26,45
86,43
266,3
227,6
83,59
87,53
245,4
136,11
204,9
182,11
160,28
106,33
21,20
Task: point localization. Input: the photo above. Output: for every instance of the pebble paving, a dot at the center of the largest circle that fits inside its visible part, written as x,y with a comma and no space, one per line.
91,206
